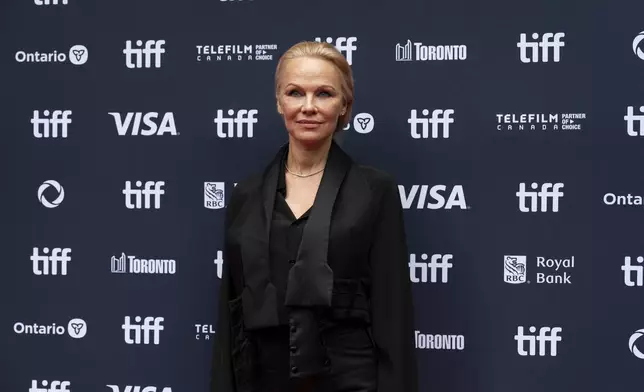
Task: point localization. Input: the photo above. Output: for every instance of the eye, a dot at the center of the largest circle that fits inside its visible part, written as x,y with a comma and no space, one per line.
293,93
325,93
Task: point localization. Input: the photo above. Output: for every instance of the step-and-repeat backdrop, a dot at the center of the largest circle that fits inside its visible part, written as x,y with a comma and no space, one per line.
515,130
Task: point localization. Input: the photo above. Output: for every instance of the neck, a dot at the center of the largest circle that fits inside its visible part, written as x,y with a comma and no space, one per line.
307,158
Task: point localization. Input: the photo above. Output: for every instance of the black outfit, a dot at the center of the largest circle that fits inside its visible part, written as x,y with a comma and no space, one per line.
321,303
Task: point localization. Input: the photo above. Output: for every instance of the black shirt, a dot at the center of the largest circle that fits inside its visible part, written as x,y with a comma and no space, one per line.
285,237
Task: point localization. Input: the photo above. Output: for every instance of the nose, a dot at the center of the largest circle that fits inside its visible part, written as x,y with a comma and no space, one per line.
309,106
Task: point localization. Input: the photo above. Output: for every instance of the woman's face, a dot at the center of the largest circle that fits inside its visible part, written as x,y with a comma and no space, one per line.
310,99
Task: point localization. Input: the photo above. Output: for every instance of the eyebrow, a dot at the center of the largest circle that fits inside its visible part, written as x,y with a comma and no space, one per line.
322,86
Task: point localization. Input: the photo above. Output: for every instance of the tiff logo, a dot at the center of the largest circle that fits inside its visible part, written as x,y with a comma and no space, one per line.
548,191
229,127
437,262
345,45
48,126
143,197
439,117
141,57
546,336
48,264
219,262
50,2
631,118
152,125
529,51
151,325
630,270
54,386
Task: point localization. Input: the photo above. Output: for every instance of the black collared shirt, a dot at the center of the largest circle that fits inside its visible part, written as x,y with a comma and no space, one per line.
285,238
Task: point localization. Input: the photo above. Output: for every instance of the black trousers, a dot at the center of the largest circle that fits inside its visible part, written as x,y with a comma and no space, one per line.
350,350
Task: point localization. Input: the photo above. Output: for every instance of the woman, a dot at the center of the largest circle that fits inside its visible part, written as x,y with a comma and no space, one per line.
315,292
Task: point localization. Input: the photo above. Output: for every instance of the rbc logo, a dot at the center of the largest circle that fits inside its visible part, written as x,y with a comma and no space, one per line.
141,57
214,195
514,269
548,40
345,45
54,386
439,117
539,199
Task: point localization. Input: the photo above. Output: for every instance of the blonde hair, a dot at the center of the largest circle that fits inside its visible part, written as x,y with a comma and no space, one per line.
328,52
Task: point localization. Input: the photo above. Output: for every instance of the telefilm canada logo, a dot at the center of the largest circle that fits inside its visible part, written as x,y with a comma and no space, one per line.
76,55
224,53
539,122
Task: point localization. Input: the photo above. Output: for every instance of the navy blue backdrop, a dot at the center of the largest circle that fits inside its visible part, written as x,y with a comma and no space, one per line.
515,130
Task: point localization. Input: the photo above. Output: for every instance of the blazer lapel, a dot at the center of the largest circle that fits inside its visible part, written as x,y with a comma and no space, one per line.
310,279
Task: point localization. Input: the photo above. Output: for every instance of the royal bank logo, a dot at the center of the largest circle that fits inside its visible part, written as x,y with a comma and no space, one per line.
219,53
637,45
54,191
345,45
77,55
540,50
540,121
417,51
434,197
214,195
550,270
514,269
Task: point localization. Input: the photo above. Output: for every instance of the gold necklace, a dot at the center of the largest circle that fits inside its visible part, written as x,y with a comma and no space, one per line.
302,175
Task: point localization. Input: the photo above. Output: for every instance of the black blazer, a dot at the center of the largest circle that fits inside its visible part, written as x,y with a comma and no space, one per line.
352,266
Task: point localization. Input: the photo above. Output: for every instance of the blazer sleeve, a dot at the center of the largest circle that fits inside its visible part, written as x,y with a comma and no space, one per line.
391,298
222,378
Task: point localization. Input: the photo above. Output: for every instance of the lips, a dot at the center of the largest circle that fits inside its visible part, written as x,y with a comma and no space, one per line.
309,122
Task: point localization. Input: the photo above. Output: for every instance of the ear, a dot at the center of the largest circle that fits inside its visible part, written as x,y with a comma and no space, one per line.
279,107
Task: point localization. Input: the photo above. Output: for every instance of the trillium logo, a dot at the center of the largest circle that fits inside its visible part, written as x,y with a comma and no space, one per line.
59,189
631,343
636,45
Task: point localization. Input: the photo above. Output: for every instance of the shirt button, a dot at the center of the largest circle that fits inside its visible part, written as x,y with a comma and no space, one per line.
291,262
